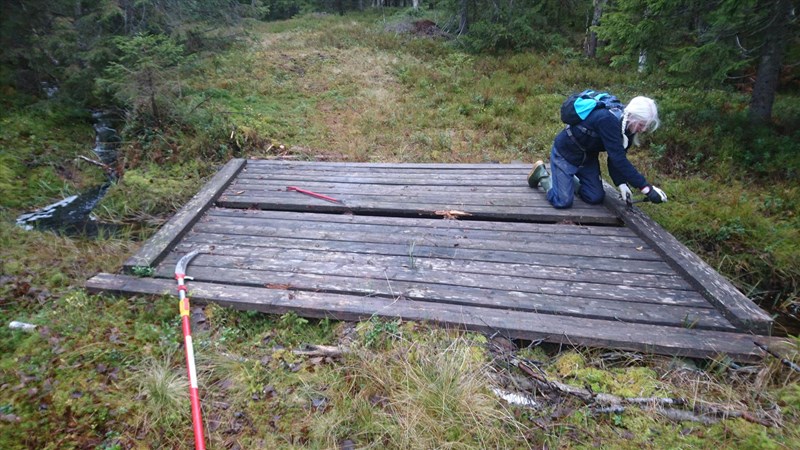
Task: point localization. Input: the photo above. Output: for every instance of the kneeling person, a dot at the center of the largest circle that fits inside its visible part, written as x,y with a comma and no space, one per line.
574,158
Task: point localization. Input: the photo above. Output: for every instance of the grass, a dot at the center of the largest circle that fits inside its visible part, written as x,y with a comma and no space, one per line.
103,372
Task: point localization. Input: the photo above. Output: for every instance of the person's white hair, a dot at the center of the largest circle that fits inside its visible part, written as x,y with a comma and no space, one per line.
642,110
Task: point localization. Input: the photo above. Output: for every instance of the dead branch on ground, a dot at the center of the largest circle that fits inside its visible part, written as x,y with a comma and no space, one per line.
108,169
612,404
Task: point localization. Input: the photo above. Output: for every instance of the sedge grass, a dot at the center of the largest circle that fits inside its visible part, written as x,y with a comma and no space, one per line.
426,393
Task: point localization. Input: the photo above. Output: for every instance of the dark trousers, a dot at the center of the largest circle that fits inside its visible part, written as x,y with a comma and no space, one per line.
562,192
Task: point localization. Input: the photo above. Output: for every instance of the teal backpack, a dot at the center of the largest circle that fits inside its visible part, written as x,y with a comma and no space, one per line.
577,107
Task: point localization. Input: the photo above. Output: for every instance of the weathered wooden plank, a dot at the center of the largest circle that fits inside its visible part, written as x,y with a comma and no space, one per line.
407,168
598,289
256,163
634,309
465,200
436,223
416,250
532,271
307,203
383,176
314,185
667,340
432,180
672,313
513,239
157,246
525,246
734,305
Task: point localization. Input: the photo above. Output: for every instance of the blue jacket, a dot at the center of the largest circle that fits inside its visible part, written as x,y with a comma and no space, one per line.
600,131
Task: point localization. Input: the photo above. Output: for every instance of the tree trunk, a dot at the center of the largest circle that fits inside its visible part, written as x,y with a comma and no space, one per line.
153,106
642,60
415,4
770,63
590,49
463,24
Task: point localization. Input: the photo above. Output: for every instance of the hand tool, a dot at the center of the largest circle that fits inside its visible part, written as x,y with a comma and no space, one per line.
629,202
194,394
313,194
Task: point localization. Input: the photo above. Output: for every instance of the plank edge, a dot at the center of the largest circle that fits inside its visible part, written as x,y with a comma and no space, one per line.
717,289
158,245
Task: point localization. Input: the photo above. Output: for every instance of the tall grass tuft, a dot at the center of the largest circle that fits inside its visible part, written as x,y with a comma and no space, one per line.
424,394
162,402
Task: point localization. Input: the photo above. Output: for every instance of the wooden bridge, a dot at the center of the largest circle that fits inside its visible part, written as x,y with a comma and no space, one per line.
602,275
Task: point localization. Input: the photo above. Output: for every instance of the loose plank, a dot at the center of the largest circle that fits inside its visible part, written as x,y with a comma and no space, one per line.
674,341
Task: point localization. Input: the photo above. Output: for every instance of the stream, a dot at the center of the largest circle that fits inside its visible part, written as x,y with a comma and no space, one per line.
73,215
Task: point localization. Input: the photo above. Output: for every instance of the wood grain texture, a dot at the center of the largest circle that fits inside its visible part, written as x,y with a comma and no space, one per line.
571,331
593,275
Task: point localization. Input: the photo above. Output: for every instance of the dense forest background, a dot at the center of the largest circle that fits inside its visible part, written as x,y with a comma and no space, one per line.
90,49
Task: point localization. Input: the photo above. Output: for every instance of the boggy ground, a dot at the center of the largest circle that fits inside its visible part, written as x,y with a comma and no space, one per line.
104,372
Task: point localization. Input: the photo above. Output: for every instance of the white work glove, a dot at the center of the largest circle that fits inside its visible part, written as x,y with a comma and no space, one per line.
625,193
654,194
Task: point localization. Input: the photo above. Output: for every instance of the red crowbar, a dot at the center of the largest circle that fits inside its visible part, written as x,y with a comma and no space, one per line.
194,394
313,194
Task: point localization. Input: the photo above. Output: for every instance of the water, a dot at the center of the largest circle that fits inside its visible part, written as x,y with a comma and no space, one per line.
73,215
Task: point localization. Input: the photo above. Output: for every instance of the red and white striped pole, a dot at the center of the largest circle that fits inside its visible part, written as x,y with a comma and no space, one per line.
194,394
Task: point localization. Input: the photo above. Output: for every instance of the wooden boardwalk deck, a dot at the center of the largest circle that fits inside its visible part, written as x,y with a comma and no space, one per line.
594,275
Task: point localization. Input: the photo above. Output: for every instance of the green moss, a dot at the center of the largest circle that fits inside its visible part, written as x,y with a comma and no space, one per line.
152,191
569,363
741,434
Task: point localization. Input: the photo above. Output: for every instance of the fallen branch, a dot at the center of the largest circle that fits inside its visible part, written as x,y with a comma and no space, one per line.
608,403
783,360
680,415
321,350
105,167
